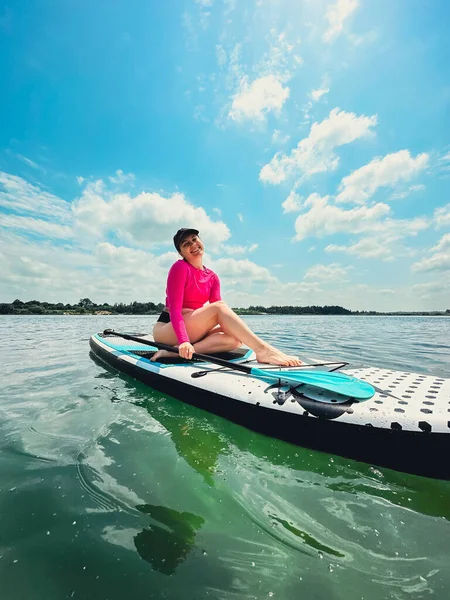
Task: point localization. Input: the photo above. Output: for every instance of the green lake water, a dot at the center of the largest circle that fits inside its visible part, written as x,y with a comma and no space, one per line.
109,490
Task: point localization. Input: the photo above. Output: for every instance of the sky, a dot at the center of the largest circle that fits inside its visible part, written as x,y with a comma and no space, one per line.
307,140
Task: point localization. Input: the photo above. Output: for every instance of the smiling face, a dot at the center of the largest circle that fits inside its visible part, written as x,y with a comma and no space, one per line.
191,248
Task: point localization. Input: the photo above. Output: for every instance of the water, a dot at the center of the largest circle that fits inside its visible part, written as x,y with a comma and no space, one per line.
109,490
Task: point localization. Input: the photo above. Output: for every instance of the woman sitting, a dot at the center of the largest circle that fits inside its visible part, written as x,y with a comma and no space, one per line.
193,325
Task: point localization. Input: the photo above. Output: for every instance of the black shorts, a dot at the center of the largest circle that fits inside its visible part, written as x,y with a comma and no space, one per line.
164,317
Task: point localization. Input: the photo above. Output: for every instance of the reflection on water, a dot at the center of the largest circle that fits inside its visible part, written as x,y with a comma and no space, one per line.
166,545
306,538
199,446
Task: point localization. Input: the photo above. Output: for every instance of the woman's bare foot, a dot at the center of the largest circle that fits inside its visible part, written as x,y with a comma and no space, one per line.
163,354
272,356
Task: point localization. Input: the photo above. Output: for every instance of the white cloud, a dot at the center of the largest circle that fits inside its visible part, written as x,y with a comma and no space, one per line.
444,160
242,270
316,95
43,271
442,216
254,82
167,259
38,269
336,16
412,188
438,262
316,153
28,161
146,219
253,101
435,293
365,248
324,219
233,250
122,177
23,197
39,226
281,59
235,69
360,185
122,258
443,163
443,244
278,138
324,273
292,203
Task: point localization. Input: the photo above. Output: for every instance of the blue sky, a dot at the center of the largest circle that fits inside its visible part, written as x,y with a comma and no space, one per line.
308,140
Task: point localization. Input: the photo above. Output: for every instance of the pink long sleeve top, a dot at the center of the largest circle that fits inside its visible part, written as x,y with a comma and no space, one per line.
189,287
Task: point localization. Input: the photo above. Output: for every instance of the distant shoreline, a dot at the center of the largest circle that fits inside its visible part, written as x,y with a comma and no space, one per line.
86,307
246,314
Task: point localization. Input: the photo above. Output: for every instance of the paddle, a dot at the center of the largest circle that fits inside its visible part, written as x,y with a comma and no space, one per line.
338,383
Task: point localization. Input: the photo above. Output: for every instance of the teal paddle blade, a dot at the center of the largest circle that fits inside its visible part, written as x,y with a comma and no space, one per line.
340,383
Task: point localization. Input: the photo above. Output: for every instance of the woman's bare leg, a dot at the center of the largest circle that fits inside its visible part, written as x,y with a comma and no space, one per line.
234,326
216,342
199,322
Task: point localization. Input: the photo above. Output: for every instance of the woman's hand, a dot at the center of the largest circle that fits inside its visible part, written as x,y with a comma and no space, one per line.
186,350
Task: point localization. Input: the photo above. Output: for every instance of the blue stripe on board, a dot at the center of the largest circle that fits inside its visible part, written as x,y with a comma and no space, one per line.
143,363
146,364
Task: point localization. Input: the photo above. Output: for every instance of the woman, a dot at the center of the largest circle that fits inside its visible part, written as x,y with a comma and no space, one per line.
193,325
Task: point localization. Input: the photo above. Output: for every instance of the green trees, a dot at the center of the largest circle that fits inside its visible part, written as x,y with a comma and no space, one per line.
299,310
86,303
84,306
87,306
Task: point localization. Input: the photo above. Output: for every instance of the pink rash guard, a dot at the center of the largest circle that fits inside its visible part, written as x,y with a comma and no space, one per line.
189,287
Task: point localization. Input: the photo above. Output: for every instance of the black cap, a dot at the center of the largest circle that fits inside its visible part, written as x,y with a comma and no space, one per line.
180,234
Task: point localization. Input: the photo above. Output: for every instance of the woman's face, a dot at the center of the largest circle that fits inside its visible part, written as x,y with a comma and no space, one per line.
191,248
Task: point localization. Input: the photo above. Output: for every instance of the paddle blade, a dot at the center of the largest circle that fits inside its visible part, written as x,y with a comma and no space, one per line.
340,383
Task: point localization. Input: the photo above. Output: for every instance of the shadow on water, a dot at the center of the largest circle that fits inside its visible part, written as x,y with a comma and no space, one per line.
166,545
201,437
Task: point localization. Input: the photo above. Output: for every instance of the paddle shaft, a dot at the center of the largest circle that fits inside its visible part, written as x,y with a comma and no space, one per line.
196,355
334,382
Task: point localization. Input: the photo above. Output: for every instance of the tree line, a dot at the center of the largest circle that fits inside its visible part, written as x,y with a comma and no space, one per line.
294,310
86,306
